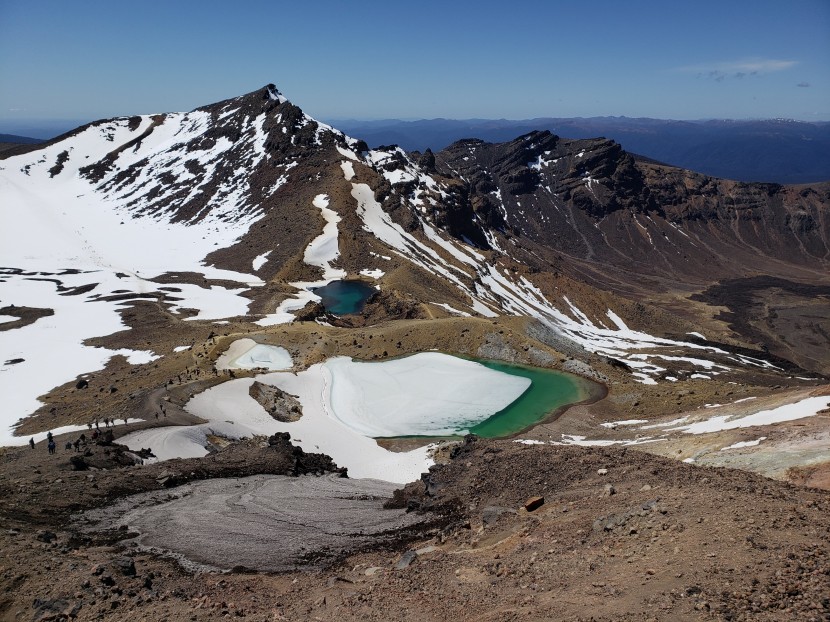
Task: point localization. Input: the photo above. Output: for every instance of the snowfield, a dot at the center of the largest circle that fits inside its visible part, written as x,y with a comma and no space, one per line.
89,236
344,404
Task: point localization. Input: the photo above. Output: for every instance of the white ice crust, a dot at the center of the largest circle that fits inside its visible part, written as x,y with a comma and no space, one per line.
427,394
248,354
338,413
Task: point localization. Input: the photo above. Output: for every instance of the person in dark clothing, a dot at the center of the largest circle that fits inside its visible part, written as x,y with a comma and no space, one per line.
32,443
77,444
51,446
49,435
68,445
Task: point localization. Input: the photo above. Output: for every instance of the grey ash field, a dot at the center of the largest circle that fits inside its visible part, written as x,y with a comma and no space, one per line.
141,248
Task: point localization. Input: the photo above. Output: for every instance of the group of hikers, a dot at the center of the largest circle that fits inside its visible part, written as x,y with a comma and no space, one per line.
79,443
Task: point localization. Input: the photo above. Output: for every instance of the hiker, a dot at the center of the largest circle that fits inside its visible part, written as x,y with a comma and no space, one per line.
97,427
68,446
89,425
51,446
49,435
95,434
32,443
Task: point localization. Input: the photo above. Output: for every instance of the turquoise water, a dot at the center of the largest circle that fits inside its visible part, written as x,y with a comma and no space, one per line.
549,391
345,297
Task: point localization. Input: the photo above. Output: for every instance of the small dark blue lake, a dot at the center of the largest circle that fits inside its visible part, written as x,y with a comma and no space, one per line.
345,297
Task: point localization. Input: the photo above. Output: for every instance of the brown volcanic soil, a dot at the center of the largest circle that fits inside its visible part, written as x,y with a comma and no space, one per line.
792,319
621,536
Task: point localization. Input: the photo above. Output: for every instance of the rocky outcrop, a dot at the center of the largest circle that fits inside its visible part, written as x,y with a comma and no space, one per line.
280,405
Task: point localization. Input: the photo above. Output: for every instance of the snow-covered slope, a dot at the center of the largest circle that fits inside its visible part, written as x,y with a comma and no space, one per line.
245,206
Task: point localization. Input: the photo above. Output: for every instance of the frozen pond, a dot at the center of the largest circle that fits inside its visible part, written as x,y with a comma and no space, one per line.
248,354
346,404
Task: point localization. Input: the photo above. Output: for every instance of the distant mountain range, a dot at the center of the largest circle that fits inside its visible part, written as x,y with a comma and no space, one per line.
780,151
21,140
9,141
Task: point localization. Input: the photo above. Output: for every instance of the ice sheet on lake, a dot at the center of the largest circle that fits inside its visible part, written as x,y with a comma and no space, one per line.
248,354
427,394
335,410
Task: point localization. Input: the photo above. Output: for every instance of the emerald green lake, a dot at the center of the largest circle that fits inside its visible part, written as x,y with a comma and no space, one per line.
549,391
344,297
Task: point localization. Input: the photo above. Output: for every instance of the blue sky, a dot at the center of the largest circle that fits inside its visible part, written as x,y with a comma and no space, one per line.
89,59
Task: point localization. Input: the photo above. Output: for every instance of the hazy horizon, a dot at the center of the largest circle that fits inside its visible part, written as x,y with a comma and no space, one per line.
456,60
46,129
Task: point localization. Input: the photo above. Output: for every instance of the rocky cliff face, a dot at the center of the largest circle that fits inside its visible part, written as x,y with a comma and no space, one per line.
590,201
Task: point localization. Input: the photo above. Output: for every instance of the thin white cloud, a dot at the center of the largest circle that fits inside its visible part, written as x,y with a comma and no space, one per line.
738,68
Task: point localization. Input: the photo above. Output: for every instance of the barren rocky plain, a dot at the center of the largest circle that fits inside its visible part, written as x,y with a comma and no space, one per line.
622,534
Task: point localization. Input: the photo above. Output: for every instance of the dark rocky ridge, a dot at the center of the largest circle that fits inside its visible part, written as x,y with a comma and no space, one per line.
595,202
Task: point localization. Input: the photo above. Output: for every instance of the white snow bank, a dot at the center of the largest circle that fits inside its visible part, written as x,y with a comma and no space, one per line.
742,444
260,260
582,441
248,354
324,248
372,274
450,309
360,395
789,412
348,170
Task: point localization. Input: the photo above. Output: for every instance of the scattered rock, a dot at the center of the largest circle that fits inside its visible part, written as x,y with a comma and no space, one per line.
406,559
126,565
534,503
78,463
55,609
